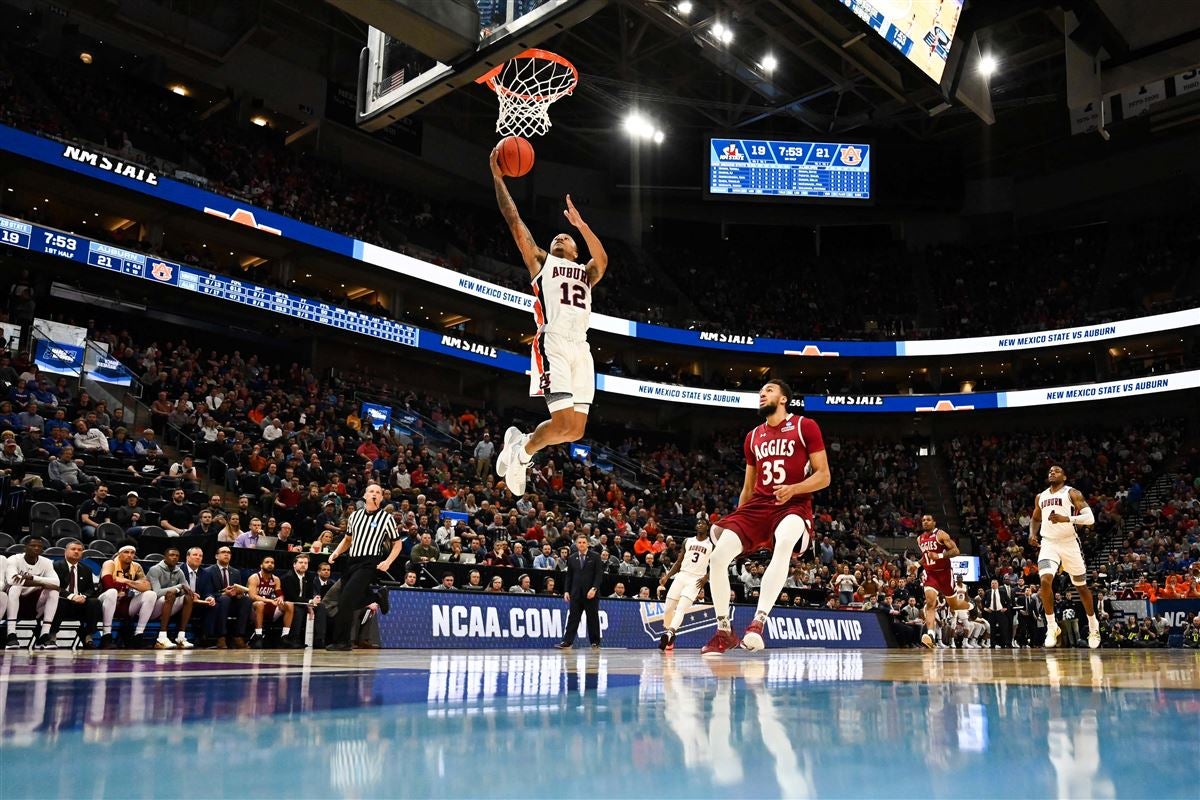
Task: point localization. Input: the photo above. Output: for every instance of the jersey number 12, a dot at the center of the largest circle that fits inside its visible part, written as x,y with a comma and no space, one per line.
577,297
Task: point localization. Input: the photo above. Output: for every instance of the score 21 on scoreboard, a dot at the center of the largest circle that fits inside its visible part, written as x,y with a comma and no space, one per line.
821,170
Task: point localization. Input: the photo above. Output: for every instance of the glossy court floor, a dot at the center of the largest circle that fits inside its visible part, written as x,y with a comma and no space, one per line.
613,723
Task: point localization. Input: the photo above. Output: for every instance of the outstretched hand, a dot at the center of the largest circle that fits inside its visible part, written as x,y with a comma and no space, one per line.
494,162
572,214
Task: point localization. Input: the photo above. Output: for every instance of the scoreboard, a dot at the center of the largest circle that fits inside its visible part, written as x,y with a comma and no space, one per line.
822,170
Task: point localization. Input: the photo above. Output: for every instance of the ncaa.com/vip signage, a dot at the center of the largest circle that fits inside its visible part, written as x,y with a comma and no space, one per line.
474,620
58,358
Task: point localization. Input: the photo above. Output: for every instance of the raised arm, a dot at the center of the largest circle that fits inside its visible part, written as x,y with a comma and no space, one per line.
598,263
531,254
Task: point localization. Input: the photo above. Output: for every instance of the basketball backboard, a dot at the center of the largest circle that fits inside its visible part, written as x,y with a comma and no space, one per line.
396,79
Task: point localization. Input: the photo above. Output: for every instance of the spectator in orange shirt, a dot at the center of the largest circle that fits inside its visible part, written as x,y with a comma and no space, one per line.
642,545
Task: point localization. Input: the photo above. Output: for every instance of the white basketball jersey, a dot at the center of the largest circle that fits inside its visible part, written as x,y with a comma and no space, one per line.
695,556
562,298
1059,501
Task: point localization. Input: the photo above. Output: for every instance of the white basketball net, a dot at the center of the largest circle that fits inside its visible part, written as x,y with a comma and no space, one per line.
526,87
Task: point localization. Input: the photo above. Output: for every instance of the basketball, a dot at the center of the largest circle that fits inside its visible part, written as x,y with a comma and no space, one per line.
516,156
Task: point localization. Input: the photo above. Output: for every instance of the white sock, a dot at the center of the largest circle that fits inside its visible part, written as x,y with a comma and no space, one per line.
258,631
286,631
522,455
787,533
1093,625
45,628
727,548
108,630
162,636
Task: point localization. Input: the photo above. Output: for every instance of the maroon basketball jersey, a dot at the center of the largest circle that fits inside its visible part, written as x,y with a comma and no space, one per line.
780,454
930,549
266,586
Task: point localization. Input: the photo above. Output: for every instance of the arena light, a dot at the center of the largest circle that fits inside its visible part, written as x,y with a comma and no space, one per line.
85,57
658,138
769,63
987,65
722,33
180,90
259,120
684,8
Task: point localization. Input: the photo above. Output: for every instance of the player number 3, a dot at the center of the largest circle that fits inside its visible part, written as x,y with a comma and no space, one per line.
773,472
577,296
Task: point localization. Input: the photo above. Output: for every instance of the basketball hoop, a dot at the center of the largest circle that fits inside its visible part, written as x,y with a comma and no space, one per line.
526,86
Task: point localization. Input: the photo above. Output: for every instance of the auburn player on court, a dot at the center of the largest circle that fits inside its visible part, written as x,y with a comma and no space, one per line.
690,571
1056,512
937,548
785,464
562,370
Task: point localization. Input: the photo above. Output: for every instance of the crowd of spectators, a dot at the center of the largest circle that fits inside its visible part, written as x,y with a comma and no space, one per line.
867,292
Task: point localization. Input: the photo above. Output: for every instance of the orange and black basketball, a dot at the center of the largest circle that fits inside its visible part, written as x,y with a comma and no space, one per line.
516,156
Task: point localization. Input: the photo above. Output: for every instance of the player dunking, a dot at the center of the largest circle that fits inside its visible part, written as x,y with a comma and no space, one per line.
690,571
785,464
562,370
937,548
1056,512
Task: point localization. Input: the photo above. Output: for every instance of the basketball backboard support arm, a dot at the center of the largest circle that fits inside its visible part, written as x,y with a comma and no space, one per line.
380,104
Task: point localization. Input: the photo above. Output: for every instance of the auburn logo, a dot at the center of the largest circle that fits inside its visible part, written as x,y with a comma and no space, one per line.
851,156
160,271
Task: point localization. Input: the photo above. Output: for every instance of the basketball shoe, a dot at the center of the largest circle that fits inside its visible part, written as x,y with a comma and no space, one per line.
927,641
1093,639
752,639
720,643
511,436
666,642
1052,632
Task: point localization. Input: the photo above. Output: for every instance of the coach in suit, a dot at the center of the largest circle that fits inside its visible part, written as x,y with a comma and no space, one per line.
998,602
299,587
78,595
584,574
222,583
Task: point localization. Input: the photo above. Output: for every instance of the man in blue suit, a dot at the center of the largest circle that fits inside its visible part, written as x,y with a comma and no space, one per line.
223,586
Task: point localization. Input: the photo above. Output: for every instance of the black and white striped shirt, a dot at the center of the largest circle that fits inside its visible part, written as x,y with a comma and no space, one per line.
371,533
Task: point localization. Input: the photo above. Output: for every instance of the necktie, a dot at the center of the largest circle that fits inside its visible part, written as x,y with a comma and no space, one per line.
996,599
74,581
224,577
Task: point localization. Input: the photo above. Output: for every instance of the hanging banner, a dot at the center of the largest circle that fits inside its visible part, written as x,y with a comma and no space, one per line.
59,332
99,366
58,358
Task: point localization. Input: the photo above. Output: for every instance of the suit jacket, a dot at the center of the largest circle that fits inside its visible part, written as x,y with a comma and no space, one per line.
297,591
585,576
187,575
89,584
1005,599
322,589
208,582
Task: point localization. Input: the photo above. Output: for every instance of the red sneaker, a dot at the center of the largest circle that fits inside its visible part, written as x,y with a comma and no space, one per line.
719,643
753,639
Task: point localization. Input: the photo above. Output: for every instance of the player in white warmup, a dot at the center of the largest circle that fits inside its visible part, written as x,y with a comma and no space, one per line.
1056,512
690,571
561,370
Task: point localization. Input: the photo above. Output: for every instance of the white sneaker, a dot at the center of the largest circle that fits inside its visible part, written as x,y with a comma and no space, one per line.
513,434
163,643
518,471
1052,632
1093,639
182,642
1016,646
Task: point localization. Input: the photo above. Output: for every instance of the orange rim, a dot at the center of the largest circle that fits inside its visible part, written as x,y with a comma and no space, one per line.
490,76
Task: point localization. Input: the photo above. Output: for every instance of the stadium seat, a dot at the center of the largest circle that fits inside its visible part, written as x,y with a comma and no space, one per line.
95,554
75,499
14,549
152,558
65,527
110,531
154,530
51,552
66,540
41,517
46,494
104,546
6,541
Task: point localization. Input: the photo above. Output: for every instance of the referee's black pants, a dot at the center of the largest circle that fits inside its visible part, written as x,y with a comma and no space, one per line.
580,604
356,582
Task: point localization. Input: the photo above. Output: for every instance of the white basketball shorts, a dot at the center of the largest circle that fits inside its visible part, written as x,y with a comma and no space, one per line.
562,371
685,585
1061,552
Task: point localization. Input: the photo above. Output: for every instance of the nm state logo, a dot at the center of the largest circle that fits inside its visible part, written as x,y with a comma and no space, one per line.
161,272
243,217
851,156
945,405
731,153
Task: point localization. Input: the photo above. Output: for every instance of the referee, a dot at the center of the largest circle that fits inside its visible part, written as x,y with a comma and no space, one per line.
370,531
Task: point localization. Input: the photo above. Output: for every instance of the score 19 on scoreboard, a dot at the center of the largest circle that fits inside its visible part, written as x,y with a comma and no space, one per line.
820,170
